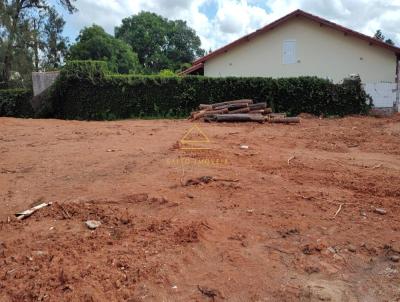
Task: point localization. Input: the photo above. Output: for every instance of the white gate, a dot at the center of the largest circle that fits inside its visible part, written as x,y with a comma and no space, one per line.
383,94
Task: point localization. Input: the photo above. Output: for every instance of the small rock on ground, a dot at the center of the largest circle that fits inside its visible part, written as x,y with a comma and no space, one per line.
380,211
352,248
93,224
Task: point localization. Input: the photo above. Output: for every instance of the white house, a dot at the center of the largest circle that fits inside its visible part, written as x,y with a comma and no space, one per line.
301,44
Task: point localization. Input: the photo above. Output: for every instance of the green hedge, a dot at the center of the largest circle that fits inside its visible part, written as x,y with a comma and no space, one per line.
86,90
16,103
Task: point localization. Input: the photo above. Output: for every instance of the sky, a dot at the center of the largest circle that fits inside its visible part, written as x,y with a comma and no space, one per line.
218,22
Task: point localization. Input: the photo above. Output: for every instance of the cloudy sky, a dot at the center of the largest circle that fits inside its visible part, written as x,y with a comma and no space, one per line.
218,22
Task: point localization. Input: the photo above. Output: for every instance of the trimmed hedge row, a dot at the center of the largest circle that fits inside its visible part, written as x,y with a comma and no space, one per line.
16,103
86,90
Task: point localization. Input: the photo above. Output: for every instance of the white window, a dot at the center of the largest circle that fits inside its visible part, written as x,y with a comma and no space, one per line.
289,52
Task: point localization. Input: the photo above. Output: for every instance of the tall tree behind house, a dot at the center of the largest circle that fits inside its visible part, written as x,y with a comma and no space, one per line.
160,43
379,35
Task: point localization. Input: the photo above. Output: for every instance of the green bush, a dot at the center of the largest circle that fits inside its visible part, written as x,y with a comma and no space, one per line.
88,91
84,70
16,103
167,73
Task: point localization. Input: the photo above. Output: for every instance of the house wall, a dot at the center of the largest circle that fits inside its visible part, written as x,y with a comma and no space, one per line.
320,51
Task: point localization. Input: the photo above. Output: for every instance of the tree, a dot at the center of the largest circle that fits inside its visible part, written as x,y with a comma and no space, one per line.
37,42
379,35
55,45
389,41
93,43
160,43
15,19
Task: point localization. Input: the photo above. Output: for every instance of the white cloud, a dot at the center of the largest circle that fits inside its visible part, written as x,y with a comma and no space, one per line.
365,16
234,18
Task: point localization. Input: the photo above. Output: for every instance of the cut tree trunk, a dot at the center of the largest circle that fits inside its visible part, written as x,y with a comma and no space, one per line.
232,102
285,120
241,117
213,112
198,115
210,118
277,115
241,110
258,106
205,107
232,106
261,111
204,113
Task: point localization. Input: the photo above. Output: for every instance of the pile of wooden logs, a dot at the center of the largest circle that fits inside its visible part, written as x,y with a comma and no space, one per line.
240,111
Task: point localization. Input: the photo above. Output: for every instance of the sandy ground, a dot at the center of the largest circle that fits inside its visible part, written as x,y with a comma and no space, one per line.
291,218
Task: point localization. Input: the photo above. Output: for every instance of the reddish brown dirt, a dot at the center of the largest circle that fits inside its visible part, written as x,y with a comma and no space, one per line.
270,236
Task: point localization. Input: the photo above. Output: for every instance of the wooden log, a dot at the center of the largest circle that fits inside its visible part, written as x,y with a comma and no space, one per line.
285,120
241,117
241,110
261,111
232,102
205,107
237,106
276,115
258,106
213,112
192,114
204,113
210,118
232,106
198,115
220,107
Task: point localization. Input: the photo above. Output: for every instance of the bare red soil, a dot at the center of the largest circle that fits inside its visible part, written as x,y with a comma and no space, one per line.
291,218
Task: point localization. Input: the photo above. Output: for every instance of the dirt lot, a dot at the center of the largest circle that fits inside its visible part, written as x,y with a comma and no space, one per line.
291,218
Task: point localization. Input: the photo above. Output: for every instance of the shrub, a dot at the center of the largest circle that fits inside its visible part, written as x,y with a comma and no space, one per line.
87,91
167,73
84,70
16,103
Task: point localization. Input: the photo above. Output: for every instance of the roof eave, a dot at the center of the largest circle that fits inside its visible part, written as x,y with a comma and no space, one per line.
191,69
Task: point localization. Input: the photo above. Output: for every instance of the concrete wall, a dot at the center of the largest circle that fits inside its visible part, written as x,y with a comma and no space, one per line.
43,80
320,51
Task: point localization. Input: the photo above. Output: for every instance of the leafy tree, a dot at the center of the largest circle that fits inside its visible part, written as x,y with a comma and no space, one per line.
184,66
389,41
37,43
55,45
93,43
160,43
379,35
16,19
